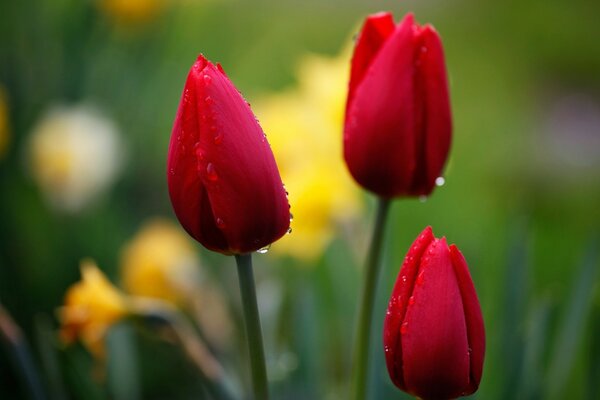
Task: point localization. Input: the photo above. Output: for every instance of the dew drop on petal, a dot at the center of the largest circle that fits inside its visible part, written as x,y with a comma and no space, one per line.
208,100
211,172
404,328
207,79
218,139
421,278
220,223
411,300
289,230
439,181
422,199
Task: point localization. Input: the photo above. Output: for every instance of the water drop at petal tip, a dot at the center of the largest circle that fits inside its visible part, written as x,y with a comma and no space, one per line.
264,249
422,199
439,181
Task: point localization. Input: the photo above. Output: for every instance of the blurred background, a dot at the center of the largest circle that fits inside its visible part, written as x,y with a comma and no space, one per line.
88,94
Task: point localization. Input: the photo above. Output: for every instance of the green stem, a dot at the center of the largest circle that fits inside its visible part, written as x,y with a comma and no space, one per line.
362,338
15,343
213,376
253,330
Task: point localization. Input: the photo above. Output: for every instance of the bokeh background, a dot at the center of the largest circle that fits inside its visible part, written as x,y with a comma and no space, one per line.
88,93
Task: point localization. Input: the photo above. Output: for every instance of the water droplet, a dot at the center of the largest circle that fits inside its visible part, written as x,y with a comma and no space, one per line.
421,278
213,128
387,349
172,171
220,223
404,278
423,49
404,328
411,300
208,100
211,172
291,217
218,139
289,230
264,249
422,199
207,79
198,151
439,181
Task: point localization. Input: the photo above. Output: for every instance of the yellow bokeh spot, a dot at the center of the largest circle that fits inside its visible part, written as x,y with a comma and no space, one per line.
160,262
132,11
91,306
304,126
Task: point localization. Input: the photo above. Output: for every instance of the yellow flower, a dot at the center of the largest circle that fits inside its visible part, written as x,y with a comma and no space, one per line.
91,306
132,11
304,125
75,153
4,129
160,262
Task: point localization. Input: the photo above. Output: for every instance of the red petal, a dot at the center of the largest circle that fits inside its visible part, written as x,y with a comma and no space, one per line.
434,342
474,319
379,137
398,303
187,192
223,180
375,31
432,95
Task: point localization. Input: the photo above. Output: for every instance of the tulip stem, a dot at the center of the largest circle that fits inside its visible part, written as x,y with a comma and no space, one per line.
253,329
362,337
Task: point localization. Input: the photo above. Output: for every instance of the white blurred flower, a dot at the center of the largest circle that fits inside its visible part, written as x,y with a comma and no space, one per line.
75,153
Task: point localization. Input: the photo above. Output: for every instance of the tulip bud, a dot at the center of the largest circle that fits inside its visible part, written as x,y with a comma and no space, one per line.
223,180
433,333
398,124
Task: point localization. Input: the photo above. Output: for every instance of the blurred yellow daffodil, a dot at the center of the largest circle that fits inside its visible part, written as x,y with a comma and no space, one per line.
4,129
160,262
304,127
91,306
132,11
75,153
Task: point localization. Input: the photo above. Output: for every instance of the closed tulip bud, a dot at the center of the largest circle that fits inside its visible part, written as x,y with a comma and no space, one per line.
434,338
398,125
223,181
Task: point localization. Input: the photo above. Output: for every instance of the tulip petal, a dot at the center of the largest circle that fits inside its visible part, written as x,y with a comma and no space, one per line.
432,96
434,342
383,102
187,192
472,311
398,304
375,31
223,180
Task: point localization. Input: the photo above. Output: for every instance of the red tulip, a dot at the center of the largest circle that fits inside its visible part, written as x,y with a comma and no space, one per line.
223,181
398,125
433,336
